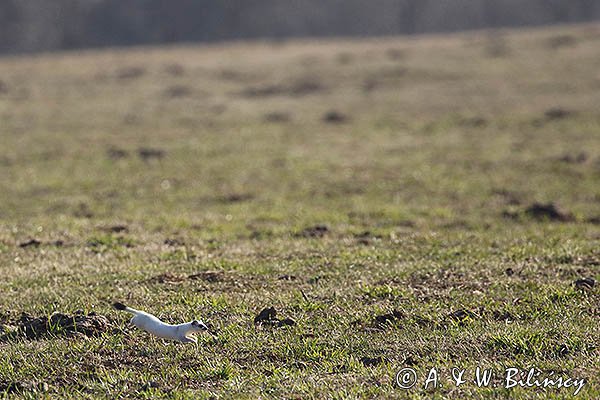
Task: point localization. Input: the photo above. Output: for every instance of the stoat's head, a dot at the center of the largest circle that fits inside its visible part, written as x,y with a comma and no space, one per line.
198,326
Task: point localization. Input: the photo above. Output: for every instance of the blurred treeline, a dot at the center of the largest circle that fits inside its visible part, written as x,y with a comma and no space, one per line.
42,25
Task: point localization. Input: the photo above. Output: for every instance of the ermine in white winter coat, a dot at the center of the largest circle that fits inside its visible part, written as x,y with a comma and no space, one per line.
182,332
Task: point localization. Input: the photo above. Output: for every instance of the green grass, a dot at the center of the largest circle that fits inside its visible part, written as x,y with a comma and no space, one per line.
423,189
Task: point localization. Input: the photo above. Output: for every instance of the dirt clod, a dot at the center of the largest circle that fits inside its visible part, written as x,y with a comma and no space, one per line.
149,385
334,117
173,242
286,322
12,387
148,153
208,276
236,198
268,317
371,361
557,113
168,277
315,231
117,228
287,277
295,89
30,243
461,316
585,283
502,316
578,158
59,324
389,318
548,211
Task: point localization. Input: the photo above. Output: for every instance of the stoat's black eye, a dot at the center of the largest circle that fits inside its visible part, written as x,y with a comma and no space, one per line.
195,323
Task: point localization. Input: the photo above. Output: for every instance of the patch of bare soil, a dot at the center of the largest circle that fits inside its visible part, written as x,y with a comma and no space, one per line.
557,113
206,276
235,198
148,153
578,158
295,89
177,91
268,317
541,212
173,242
366,238
114,153
277,117
115,228
168,277
334,117
58,324
498,315
316,231
38,243
129,73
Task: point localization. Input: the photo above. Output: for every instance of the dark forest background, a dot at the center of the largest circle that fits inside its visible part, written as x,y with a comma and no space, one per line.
43,25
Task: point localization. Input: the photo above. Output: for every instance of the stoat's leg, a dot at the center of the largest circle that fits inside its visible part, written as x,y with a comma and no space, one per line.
188,339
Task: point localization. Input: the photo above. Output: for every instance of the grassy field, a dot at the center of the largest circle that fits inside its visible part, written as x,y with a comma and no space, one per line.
421,203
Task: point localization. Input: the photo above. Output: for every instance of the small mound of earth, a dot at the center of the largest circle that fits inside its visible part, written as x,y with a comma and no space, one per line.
384,319
174,242
30,243
548,211
461,316
59,324
37,243
268,317
557,113
371,361
168,277
208,276
334,117
585,283
315,231
148,153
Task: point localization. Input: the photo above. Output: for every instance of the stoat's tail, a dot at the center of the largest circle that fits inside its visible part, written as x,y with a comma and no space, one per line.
123,307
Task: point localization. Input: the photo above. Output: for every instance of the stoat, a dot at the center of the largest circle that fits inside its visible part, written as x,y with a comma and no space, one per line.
182,332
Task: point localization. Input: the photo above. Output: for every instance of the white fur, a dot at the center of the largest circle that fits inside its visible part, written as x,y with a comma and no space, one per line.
181,332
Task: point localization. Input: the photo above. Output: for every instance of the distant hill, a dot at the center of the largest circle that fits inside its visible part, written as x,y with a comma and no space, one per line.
44,25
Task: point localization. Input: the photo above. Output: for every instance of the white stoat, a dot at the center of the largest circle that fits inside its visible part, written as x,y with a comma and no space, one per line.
149,323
